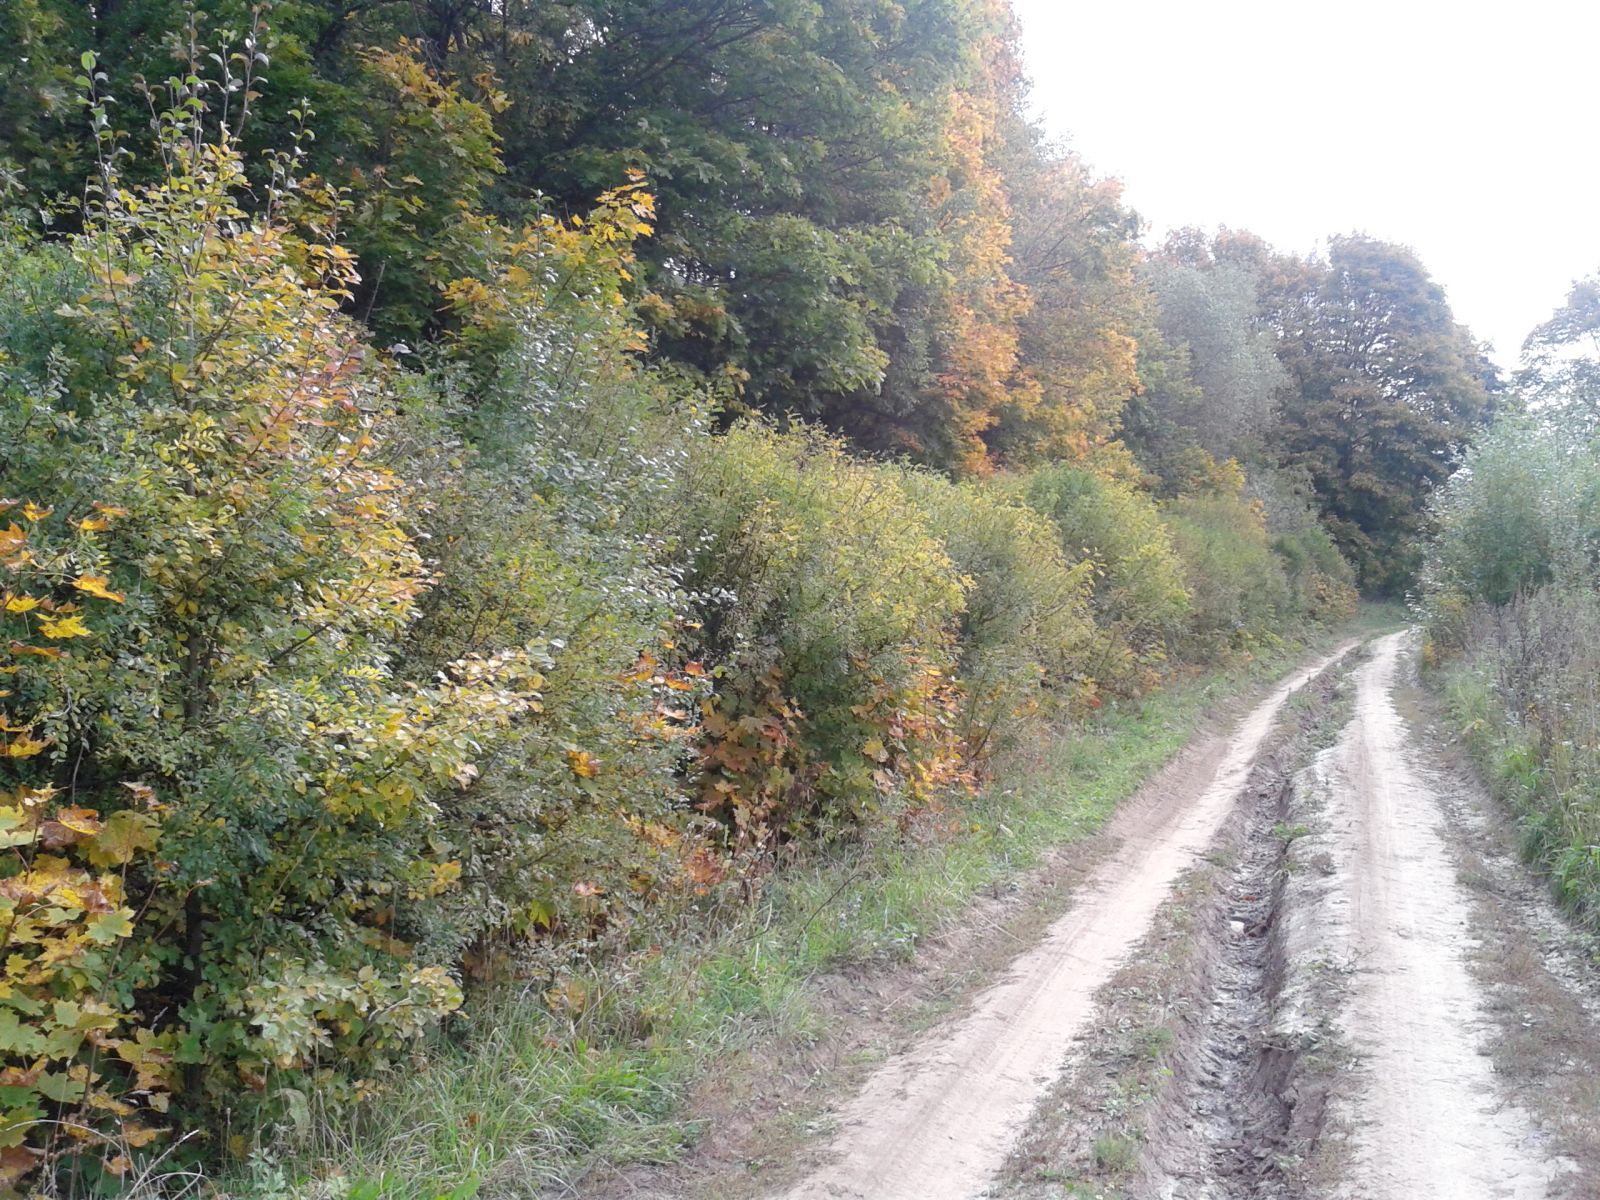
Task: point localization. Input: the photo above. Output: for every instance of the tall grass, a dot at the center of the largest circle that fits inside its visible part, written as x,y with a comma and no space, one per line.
1524,690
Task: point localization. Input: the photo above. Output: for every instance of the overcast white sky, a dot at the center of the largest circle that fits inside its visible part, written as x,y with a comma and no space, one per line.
1465,130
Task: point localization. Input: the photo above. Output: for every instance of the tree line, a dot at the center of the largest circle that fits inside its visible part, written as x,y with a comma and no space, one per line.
479,479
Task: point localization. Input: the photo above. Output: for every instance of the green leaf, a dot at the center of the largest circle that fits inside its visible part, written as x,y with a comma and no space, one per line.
17,1037
106,928
56,1086
87,59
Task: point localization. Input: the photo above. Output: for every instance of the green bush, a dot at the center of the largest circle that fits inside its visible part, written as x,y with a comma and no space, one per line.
1509,600
1026,631
548,460
1523,512
1236,584
1139,595
384,659
829,611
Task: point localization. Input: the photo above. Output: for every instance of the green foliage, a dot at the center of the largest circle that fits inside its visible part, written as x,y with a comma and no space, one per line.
829,609
1212,373
1237,588
1388,389
343,675
1139,594
1522,692
1523,512
1560,368
1509,600
426,157
550,464
206,411
1027,633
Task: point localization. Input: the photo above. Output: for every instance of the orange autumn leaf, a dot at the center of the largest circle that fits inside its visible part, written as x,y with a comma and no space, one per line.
80,820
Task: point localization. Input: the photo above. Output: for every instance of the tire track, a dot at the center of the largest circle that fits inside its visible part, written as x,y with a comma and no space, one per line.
938,1122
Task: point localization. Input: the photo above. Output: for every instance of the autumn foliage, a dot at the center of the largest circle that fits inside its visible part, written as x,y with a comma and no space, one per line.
367,642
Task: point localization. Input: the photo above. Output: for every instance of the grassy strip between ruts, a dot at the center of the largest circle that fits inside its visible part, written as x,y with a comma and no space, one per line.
548,1082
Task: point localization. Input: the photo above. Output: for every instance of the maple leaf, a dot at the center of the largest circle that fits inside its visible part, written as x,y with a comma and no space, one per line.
95,585
80,820
65,627
25,747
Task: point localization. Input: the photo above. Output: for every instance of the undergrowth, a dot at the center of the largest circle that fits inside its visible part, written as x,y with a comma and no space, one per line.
539,1084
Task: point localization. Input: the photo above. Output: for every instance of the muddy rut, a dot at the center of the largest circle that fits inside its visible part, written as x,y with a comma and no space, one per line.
1337,1040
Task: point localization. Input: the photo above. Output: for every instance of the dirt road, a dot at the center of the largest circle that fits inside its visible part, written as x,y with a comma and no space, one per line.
1334,1037
937,1123
1428,1117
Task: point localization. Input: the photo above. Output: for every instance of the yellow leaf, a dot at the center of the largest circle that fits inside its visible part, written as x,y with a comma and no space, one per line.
93,524
65,627
583,764
95,585
25,747
80,820
445,876
139,1135
34,513
21,604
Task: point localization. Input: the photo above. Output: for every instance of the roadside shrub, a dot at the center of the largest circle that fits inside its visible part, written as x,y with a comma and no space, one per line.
1139,596
394,663
1322,583
1522,512
1026,631
1236,584
548,458
223,430
830,615
1524,690
1508,595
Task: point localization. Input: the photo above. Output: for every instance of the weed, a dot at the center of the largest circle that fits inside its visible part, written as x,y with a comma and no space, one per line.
1288,834
1116,1153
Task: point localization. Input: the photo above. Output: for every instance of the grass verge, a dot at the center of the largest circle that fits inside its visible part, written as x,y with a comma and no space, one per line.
593,1065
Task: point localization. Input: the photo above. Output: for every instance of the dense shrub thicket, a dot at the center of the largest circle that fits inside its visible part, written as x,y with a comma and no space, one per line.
341,673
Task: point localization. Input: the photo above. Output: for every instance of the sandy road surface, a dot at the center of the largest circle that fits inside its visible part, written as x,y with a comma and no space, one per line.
936,1123
1428,1118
